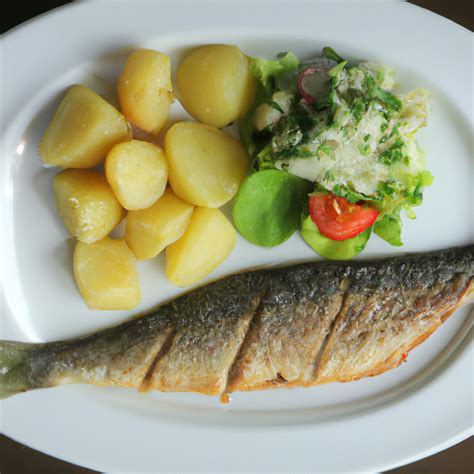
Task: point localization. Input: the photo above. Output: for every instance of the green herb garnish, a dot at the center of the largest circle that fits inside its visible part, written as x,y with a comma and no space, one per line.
394,154
325,149
364,149
331,54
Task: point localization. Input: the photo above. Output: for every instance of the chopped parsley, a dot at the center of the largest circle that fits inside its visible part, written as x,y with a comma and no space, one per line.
392,102
387,188
349,194
358,108
394,154
329,176
287,133
327,150
331,54
293,152
389,136
364,149
374,92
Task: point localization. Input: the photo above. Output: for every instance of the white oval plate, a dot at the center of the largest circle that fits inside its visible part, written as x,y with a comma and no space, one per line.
373,424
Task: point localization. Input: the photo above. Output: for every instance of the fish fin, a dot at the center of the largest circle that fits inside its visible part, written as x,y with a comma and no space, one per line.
14,367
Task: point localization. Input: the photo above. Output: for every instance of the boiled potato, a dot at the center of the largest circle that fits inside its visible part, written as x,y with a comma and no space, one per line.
149,231
206,243
86,203
206,166
83,130
215,84
145,91
106,274
137,172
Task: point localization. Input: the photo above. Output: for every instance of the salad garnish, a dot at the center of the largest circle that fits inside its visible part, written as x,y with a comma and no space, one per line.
342,129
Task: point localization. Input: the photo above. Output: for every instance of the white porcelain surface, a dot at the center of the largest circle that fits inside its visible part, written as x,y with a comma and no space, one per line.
373,424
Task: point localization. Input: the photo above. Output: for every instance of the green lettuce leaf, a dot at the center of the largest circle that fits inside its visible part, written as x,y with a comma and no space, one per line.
246,125
267,72
264,159
333,249
389,228
352,196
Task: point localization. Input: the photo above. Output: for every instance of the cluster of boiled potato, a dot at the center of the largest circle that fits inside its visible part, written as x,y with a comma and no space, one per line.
168,196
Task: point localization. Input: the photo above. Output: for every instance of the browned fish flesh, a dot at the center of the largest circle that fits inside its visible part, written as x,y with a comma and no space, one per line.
298,326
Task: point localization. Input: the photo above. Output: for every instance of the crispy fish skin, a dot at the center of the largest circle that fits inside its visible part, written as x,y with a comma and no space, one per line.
210,325
293,320
301,325
119,356
390,308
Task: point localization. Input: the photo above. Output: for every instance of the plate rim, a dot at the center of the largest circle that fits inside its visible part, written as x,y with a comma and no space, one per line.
469,346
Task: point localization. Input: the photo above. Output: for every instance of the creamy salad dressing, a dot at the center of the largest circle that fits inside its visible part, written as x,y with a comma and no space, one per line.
357,146
348,166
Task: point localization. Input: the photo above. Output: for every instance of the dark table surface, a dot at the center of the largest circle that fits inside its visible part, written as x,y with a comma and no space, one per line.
17,458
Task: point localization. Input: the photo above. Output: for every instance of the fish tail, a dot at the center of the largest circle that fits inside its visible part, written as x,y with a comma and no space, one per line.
14,367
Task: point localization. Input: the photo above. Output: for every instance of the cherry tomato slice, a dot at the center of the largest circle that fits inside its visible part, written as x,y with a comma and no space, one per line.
337,218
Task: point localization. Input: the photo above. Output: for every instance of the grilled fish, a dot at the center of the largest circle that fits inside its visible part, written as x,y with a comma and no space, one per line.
298,326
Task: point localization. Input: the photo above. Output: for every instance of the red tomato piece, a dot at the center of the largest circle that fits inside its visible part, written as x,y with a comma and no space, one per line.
337,218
